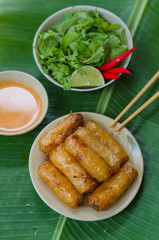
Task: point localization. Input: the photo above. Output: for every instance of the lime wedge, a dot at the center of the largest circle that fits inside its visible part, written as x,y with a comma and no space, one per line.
86,77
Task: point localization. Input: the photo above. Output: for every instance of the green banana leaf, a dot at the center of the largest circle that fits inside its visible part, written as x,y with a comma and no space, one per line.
23,215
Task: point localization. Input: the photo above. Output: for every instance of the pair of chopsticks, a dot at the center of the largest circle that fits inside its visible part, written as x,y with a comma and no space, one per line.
153,98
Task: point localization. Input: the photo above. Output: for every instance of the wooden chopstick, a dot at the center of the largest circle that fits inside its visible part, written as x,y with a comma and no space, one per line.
153,98
152,80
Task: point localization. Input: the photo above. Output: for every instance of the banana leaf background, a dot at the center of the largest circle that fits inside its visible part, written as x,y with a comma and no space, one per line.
23,215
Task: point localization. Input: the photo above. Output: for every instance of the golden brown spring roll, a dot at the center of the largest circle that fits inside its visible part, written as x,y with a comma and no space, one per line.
89,139
60,132
72,169
109,142
59,184
88,158
109,191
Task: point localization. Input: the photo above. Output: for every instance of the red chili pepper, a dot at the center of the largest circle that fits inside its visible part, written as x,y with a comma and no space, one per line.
110,75
118,70
116,61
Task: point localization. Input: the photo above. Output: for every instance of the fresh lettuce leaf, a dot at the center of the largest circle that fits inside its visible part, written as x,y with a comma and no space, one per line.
122,36
66,15
64,26
96,56
115,52
113,41
67,39
46,41
95,36
114,26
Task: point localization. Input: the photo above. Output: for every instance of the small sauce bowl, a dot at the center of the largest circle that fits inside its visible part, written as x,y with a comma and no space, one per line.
23,79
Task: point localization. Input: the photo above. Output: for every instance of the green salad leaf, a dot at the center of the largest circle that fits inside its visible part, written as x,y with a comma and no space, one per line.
81,38
97,54
67,39
65,25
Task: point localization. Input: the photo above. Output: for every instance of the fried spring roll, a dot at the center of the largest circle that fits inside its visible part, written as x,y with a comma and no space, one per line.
60,132
88,158
59,184
72,169
109,142
89,139
108,192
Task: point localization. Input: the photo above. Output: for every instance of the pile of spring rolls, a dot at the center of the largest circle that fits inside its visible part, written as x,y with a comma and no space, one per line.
84,160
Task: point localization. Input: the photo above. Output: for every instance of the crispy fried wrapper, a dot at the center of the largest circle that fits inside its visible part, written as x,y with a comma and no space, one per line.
109,191
88,158
90,140
60,132
120,155
72,169
59,184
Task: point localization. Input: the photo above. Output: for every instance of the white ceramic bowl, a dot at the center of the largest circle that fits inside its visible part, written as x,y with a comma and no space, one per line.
56,17
22,77
83,212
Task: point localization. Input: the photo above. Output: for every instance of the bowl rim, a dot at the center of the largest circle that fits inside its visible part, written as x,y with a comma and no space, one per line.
35,55
45,102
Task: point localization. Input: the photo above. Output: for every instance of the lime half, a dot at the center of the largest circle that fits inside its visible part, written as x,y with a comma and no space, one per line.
86,77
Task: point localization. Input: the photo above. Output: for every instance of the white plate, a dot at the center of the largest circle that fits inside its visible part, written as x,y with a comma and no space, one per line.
83,212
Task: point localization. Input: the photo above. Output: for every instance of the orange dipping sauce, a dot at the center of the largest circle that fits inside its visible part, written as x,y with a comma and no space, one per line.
20,106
